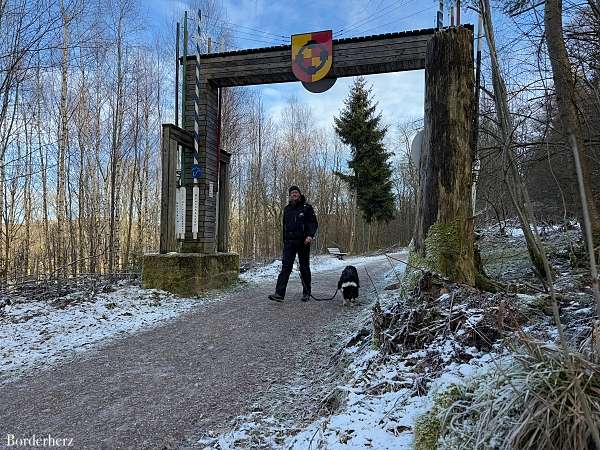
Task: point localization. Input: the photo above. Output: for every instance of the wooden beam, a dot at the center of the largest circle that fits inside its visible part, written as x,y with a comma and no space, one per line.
394,52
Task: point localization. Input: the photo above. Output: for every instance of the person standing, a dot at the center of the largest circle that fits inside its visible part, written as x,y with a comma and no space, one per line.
299,228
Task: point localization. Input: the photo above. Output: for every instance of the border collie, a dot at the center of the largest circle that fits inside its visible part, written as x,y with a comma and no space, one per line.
349,284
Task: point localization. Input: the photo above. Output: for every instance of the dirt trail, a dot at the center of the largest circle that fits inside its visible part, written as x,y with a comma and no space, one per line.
162,387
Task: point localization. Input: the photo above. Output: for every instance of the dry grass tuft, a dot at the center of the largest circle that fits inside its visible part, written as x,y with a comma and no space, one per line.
439,309
538,402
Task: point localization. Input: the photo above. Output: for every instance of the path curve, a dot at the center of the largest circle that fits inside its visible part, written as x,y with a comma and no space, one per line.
163,387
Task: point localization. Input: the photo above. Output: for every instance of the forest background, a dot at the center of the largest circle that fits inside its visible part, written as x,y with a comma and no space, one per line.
86,84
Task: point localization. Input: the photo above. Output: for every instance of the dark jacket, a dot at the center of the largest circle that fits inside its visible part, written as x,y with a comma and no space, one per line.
299,221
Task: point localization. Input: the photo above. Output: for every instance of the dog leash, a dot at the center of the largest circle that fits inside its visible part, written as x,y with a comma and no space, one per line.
324,299
318,299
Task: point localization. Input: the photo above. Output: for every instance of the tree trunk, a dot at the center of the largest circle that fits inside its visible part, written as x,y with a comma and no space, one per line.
62,147
564,85
353,223
142,175
565,92
43,157
115,156
69,217
513,180
444,231
136,133
28,199
94,203
82,207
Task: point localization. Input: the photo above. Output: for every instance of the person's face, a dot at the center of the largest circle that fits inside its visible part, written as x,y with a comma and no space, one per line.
295,196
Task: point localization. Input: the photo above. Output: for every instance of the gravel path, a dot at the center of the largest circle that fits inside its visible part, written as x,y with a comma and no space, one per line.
164,387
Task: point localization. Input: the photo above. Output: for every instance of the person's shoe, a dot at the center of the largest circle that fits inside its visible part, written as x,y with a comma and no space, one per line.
305,297
276,297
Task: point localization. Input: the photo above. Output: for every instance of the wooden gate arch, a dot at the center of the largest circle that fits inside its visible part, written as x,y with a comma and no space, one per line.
445,54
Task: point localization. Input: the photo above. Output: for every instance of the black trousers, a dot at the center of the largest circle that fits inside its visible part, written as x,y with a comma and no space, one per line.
290,249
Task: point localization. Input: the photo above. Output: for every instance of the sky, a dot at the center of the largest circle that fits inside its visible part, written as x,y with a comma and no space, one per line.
264,23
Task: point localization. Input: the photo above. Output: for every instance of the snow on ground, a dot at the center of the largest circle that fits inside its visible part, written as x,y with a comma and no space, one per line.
318,263
380,399
38,335
513,228
380,419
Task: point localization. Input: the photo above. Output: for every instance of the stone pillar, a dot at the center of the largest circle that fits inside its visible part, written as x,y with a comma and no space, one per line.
190,272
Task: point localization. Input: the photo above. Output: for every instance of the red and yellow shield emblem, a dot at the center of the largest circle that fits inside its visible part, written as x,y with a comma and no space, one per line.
312,55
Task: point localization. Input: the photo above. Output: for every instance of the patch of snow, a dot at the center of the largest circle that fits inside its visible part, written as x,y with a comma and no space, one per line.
584,311
514,232
367,422
384,421
517,231
362,359
419,354
38,335
266,272
526,297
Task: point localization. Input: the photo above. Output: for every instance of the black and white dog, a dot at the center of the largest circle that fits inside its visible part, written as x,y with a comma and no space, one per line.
349,284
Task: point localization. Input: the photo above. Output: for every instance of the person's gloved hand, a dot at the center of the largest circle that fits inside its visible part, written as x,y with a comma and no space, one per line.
308,240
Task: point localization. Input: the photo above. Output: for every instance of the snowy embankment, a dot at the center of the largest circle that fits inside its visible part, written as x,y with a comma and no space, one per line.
35,334
373,417
385,394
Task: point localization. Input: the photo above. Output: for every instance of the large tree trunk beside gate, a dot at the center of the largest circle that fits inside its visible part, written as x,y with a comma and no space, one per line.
444,230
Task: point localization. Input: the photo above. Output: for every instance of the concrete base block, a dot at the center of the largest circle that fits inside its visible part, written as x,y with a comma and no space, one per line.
190,274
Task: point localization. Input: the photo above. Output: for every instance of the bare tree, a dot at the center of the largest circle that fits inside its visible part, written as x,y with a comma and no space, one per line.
565,90
513,179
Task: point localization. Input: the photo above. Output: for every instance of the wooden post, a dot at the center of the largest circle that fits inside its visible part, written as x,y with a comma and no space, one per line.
184,68
444,230
168,240
177,76
197,137
223,206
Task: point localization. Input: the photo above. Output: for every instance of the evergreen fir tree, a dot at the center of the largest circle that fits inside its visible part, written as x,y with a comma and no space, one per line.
358,126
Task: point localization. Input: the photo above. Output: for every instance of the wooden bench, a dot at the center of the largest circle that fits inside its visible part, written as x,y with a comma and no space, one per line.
336,252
